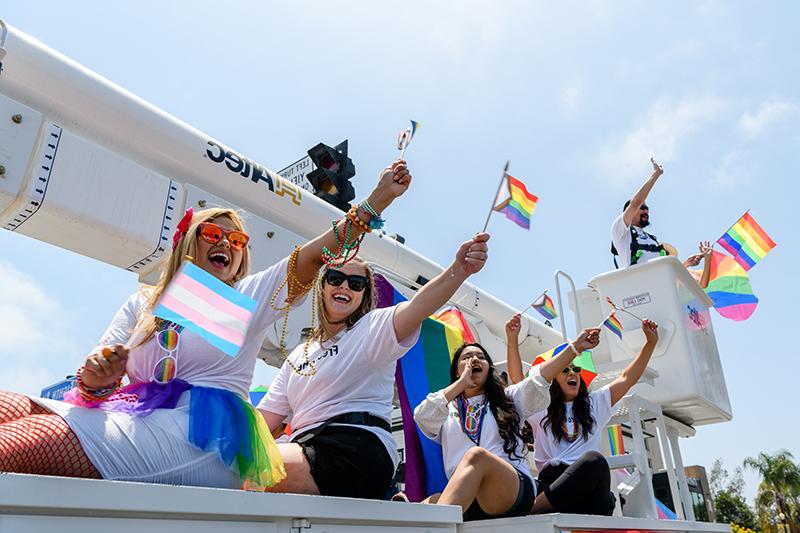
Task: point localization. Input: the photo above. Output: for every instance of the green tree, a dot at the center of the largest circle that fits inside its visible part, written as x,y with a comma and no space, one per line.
728,493
779,491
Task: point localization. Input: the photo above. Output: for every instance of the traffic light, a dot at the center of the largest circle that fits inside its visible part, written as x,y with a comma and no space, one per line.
331,178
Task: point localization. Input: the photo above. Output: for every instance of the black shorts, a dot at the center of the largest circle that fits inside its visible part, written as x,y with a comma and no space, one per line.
349,461
521,507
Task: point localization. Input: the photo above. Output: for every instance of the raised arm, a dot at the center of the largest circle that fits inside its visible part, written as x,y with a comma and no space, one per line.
632,211
707,249
588,339
513,358
630,376
470,258
431,413
393,182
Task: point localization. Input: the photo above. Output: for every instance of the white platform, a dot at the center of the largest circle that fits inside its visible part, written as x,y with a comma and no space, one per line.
49,504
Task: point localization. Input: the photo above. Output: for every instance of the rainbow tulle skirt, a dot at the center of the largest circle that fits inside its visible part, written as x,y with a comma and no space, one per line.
219,420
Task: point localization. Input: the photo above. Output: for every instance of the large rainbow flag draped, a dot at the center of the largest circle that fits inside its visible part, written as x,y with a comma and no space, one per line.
729,288
208,307
423,369
515,202
747,242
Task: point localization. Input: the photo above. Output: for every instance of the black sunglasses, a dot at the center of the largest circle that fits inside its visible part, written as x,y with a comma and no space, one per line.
335,278
575,369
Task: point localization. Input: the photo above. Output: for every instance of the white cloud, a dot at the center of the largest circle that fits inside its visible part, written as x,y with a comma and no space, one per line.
769,114
733,170
35,343
659,133
570,97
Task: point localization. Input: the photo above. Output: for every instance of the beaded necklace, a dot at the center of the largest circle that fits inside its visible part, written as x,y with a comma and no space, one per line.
295,287
571,436
471,417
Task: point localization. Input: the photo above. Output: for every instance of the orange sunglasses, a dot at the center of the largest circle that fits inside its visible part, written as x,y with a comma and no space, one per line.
212,234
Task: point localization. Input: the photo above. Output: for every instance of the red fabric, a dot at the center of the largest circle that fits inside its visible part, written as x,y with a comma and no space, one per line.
35,441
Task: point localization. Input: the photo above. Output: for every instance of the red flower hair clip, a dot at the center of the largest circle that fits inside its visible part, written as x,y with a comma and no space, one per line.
182,228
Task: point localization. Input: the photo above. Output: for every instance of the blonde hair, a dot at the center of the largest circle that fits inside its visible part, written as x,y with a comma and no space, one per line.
325,329
187,245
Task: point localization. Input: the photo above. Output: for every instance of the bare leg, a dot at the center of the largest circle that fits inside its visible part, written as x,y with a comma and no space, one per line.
483,476
298,472
433,498
541,505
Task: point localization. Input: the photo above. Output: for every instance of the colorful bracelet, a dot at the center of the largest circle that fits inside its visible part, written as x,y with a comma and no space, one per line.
353,215
347,249
376,222
95,395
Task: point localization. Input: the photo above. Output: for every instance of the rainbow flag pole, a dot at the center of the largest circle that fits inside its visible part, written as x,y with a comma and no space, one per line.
544,293
499,185
615,308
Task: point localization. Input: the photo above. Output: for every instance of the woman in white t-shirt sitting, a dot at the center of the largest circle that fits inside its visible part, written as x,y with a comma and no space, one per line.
477,420
336,388
574,475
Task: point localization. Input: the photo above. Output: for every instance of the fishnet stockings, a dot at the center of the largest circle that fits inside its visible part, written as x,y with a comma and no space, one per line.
36,441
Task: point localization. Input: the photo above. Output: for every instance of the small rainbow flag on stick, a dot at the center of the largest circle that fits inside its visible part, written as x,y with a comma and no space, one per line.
584,360
747,242
544,305
405,136
613,324
208,307
513,200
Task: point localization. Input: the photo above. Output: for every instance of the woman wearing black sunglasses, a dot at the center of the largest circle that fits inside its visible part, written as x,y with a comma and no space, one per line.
185,418
573,475
336,388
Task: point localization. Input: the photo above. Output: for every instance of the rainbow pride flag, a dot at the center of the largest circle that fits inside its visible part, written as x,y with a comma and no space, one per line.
208,307
544,304
615,439
613,323
515,202
729,288
747,242
584,360
423,369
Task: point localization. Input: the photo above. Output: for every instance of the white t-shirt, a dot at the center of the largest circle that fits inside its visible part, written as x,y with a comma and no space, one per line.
354,373
621,237
198,362
549,451
438,420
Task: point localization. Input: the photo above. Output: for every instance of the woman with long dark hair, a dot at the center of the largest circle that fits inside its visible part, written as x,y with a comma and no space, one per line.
573,474
478,420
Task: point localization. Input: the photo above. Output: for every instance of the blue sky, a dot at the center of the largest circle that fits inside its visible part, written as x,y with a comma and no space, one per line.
577,95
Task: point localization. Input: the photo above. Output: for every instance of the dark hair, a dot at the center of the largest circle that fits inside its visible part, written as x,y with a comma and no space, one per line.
501,405
556,411
627,203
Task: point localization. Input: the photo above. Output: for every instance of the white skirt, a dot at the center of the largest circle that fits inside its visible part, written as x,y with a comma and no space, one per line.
149,449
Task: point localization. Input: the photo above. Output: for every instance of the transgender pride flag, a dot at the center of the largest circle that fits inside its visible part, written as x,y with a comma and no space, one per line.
208,307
